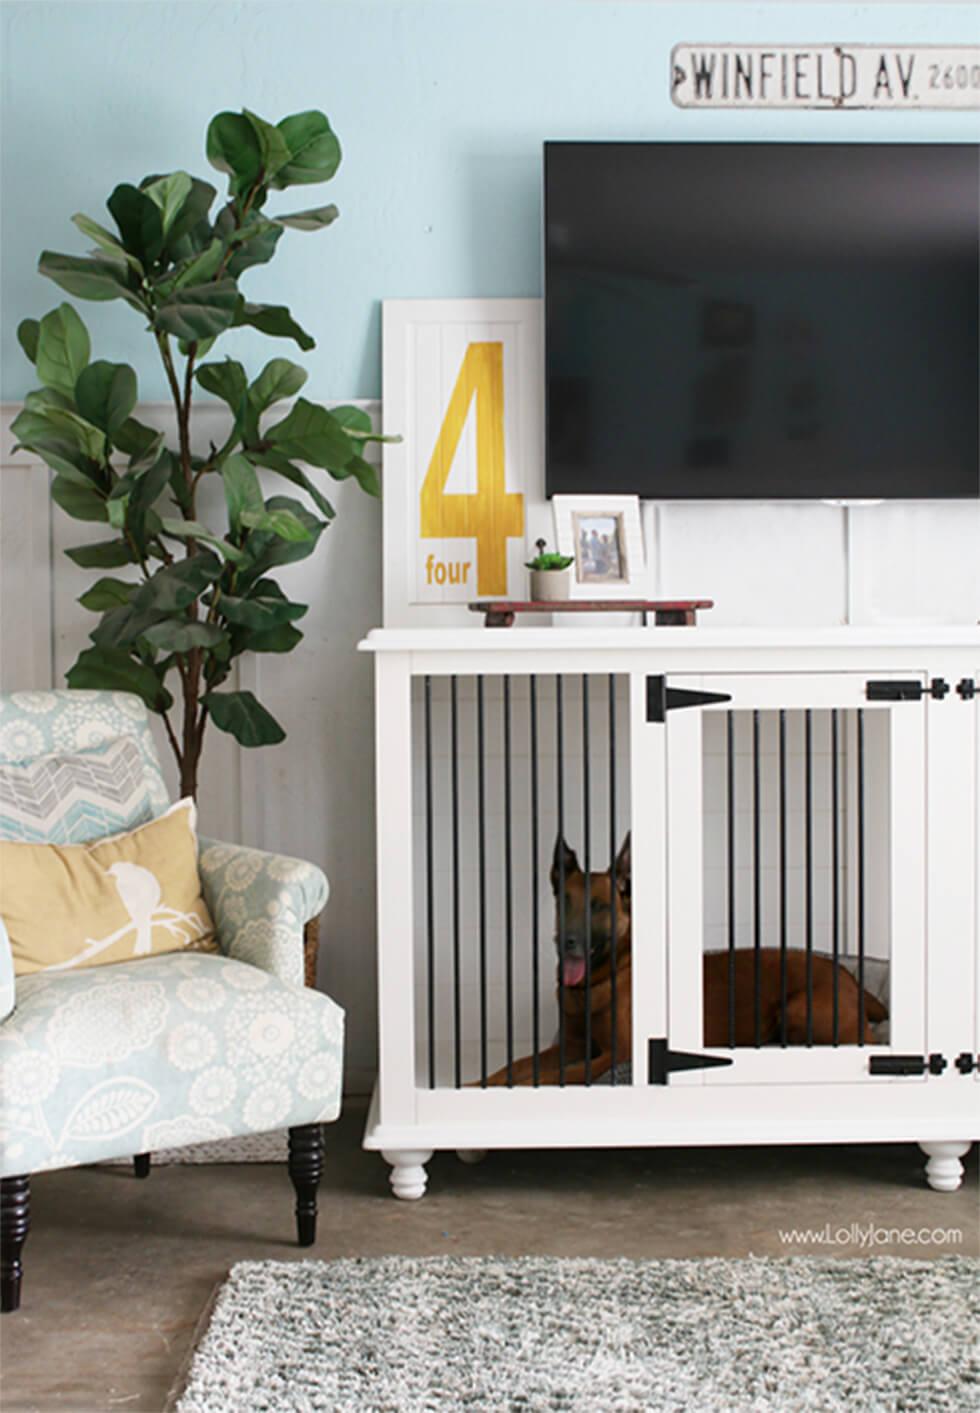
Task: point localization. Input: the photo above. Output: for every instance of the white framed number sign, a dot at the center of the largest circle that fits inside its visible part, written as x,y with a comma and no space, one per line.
463,388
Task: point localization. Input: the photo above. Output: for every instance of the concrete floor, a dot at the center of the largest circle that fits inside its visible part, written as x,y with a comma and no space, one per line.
118,1271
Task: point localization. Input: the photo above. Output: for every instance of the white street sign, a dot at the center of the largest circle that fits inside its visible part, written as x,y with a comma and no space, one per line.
825,76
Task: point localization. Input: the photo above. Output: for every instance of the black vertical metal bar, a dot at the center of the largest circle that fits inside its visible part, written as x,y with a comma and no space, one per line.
860,871
430,944
560,774
481,814
587,858
730,803
782,878
756,886
808,864
454,795
535,900
835,867
508,886
614,884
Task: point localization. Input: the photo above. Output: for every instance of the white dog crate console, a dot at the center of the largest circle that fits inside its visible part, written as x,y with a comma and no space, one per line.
664,886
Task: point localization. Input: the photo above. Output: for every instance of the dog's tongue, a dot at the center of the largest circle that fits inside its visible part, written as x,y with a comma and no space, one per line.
573,971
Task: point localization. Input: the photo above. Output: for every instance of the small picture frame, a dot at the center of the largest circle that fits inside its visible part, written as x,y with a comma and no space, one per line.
605,536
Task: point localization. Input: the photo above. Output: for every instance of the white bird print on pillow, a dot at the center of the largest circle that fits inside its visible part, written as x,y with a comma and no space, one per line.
140,894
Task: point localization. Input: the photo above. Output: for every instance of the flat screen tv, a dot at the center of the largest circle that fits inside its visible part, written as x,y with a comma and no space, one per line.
762,320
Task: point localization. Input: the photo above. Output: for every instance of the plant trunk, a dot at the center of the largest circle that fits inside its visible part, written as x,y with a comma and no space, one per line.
188,768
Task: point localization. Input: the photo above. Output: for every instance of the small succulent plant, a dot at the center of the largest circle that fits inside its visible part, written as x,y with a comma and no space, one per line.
543,560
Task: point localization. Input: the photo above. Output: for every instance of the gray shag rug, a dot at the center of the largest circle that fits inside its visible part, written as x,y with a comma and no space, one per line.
400,1335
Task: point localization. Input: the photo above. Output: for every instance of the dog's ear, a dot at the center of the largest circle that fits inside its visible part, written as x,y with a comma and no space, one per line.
563,861
624,866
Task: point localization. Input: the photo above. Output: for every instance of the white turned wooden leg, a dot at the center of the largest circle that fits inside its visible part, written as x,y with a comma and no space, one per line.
944,1171
471,1155
408,1175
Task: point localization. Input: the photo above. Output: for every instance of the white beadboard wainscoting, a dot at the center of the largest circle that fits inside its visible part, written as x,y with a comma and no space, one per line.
786,564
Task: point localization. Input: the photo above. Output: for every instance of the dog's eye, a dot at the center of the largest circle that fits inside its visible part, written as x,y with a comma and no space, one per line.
597,905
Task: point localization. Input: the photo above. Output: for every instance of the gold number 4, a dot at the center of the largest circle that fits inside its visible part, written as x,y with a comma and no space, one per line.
492,515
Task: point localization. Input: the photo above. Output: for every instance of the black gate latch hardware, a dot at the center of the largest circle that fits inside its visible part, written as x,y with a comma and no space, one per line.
661,699
965,1063
906,1064
967,689
662,1062
898,690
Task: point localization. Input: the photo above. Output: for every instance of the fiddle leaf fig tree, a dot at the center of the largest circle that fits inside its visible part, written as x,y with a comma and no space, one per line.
190,596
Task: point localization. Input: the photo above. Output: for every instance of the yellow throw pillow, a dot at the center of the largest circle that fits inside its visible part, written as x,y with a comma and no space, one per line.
131,895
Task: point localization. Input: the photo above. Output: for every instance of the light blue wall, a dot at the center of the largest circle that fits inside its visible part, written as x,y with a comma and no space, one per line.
441,106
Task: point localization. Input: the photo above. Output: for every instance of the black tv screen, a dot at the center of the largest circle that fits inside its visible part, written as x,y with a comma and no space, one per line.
762,320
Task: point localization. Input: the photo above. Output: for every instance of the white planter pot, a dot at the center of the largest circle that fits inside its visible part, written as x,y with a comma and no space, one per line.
548,585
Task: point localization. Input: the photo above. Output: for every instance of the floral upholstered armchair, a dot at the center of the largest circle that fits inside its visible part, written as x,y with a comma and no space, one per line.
128,1057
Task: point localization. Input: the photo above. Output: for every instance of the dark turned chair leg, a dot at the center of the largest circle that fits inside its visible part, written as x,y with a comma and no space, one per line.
305,1167
141,1165
15,1223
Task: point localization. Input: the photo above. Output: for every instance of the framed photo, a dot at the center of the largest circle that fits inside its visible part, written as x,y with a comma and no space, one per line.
605,536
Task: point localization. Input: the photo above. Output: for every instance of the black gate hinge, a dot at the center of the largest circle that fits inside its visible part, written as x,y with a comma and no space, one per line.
967,689
907,1064
911,690
663,1062
661,699
966,1064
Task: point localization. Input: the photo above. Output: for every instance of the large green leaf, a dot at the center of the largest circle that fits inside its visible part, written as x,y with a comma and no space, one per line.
354,420
89,439
63,349
313,220
148,487
168,194
57,446
194,530
192,217
268,551
310,433
243,717
275,461
226,380
199,311
202,267
277,522
274,320
88,276
112,669
137,440
364,474
106,554
106,241
233,147
80,502
28,331
243,494
278,379
140,222
273,146
266,607
314,151
276,640
180,635
105,394
107,593
253,243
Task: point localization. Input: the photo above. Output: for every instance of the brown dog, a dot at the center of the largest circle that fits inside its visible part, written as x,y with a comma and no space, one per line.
602,900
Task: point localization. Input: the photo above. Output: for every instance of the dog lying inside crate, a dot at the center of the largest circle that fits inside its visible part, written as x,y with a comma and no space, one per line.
605,899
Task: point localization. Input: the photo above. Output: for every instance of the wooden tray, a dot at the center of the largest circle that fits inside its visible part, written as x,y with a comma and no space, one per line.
673,613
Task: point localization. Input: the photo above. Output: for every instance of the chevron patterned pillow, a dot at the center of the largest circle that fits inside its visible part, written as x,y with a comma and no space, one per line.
73,799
